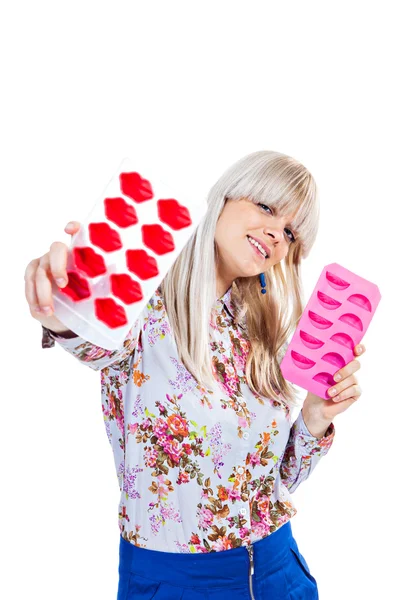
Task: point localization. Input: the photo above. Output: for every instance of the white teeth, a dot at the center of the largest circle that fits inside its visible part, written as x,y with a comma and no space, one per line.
257,245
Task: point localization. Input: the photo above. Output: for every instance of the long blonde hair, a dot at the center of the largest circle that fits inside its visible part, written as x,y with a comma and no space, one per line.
189,288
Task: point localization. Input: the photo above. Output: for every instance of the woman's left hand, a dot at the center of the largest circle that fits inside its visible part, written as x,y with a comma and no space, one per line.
347,392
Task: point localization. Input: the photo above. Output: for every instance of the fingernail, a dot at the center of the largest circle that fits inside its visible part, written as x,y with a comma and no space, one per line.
333,391
60,281
337,377
68,225
46,309
359,349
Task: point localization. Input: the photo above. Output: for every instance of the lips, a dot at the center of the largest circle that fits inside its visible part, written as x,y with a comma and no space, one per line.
266,248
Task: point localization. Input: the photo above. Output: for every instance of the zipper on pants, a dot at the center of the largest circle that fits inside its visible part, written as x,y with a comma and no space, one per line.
250,550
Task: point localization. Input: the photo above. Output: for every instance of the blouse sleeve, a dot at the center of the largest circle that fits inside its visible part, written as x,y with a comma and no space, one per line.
303,452
89,354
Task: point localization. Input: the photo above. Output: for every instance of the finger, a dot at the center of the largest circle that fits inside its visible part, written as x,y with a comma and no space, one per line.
58,263
43,285
340,387
30,286
72,227
346,371
358,350
342,406
352,391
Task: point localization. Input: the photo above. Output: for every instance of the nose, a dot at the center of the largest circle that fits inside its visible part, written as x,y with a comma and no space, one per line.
276,233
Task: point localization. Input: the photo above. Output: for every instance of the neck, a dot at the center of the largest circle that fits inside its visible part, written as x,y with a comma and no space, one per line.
224,279
223,286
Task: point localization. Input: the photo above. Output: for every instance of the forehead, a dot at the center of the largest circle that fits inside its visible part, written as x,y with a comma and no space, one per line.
290,217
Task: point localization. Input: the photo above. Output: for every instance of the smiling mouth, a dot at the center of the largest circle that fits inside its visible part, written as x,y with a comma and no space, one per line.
257,248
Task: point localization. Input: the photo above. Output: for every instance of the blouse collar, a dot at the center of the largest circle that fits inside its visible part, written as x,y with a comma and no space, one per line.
226,300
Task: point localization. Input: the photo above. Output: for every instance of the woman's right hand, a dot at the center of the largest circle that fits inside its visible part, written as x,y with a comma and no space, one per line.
38,281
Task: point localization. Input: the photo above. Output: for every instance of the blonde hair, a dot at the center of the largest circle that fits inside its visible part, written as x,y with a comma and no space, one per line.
189,288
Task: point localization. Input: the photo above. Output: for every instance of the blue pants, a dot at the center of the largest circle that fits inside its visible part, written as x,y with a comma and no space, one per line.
280,572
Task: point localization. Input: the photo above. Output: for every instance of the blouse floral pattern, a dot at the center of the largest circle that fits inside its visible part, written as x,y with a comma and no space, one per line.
199,470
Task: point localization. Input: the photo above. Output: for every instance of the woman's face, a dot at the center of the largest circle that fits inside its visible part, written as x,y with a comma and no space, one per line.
240,221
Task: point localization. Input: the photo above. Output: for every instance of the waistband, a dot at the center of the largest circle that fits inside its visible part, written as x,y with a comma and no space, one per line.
225,567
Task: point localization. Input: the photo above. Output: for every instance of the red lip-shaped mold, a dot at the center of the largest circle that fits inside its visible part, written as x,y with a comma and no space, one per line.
105,237
120,212
88,261
125,288
109,312
157,239
136,187
141,264
173,214
77,287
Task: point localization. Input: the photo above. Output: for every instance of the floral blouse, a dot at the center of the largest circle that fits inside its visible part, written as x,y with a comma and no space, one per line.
199,470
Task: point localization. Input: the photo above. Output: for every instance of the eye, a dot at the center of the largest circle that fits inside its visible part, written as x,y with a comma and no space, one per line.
264,206
292,238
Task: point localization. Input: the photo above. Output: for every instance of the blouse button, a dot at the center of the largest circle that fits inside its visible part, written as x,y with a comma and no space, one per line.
240,470
243,511
245,435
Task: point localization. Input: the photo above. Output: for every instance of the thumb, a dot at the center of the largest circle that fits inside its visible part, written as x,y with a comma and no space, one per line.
72,227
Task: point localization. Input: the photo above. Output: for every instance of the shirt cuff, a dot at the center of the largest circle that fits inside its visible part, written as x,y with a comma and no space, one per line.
308,442
49,336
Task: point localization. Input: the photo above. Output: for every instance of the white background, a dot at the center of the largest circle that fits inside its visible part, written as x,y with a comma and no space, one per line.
193,86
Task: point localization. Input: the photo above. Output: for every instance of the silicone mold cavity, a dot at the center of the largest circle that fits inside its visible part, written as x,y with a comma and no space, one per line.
310,341
141,264
157,239
77,287
344,339
335,281
335,359
302,361
88,261
109,312
103,236
328,302
360,300
311,358
136,187
324,378
352,320
318,321
125,288
173,214
120,212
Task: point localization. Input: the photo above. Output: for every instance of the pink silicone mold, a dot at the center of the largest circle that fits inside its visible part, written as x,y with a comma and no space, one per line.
334,321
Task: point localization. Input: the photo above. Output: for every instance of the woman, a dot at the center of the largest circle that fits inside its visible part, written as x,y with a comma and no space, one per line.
196,409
